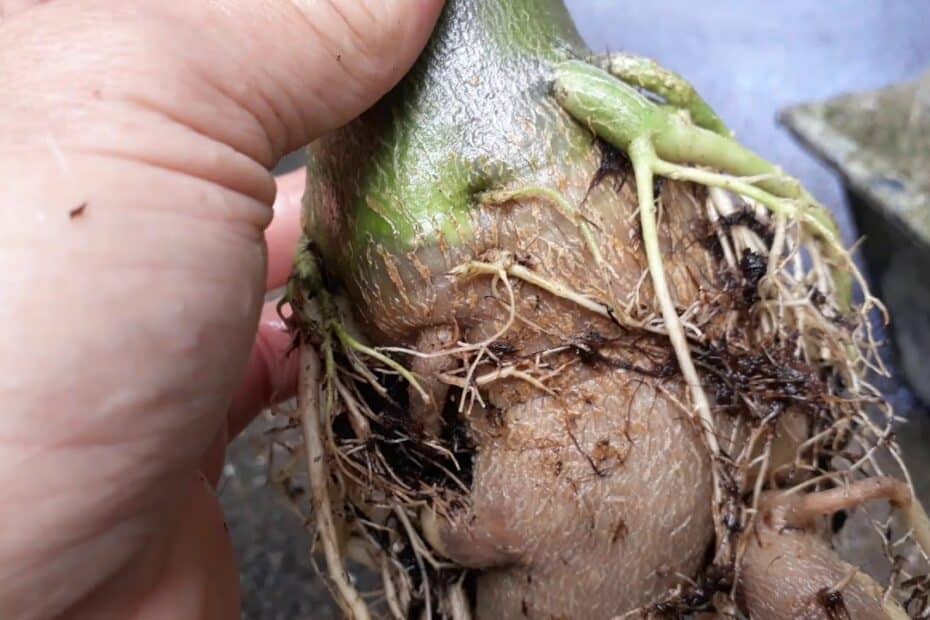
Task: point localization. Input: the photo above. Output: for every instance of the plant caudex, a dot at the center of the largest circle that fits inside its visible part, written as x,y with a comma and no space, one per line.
666,131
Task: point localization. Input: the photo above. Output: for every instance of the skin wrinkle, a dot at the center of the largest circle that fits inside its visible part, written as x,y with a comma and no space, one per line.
253,214
275,140
296,119
253,180
153,562
265,151
138,502
114,530
149,444
71,56
111,566
263,194
358,35
365,6
151,267
102,515
335,84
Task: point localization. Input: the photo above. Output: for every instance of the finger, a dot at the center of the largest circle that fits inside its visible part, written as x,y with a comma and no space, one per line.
257,79
211,464
9,7
284,231
187,571
271,373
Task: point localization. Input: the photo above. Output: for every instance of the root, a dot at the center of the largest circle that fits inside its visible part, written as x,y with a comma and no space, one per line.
809,213
641,153
351,344
458,602
390,591
796,341
558,201
803,510
496,375
310,407
508,264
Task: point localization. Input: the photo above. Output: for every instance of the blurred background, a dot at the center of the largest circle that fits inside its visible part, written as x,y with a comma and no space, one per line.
750,60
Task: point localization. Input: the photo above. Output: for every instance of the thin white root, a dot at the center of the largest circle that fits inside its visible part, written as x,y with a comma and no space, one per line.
496,375
643,155
916,517
511,267
894,610
808,212
390,591
310,407
812,505
790,208
558,201
458,602
351,344
419,551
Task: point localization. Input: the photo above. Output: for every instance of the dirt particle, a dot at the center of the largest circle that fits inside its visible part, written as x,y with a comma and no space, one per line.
745,217
502,348
294,491
753,266
77,211
833,604
658,184
602,450
620,532
614,164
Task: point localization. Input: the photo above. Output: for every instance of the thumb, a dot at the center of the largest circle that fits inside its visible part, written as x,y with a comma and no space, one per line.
261,78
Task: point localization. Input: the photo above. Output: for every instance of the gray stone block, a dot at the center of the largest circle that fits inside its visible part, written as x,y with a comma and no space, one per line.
879,142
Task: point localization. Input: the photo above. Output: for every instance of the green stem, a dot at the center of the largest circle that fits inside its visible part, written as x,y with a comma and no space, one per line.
618,113
649,75
680,142
821,222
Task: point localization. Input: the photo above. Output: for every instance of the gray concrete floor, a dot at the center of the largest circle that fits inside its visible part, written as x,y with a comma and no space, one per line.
749,59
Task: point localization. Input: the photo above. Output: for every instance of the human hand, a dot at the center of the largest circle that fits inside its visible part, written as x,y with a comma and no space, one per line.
134,191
